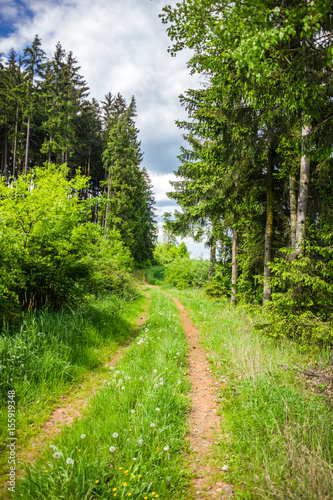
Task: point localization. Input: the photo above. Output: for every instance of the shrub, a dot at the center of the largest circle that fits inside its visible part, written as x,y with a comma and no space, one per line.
186,273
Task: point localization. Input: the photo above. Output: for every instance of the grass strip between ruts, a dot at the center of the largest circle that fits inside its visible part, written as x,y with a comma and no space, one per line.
130,441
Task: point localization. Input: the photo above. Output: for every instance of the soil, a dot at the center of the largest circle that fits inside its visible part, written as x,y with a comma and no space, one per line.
204,422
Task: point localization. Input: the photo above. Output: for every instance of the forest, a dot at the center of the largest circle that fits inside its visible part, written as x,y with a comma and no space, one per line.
128,368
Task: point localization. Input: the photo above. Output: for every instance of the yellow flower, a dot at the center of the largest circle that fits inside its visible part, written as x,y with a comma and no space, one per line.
145,498
125,471
97,481
130,430
114,489
156,496
120,468
79,450
133,477
153,493
45,471
124,484
139,475
129,495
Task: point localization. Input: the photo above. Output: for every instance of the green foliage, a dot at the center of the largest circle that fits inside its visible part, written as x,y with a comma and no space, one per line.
164,253
302,305
50,257
185,272
219,285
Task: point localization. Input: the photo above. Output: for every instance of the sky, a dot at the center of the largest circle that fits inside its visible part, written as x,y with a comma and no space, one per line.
121,46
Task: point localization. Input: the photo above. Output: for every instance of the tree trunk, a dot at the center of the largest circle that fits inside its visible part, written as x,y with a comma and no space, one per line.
15,141
293,210
269,224
50,149
107,201
303,194
234,263
212,258
27,147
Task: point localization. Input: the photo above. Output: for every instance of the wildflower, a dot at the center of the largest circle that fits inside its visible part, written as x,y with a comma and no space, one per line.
123,387
96,482
114,489
83,436
177,353
139,475
161,383
125,471
69,461
153,493
120,381
141,378
53,448
140,442
152,425
130,430
45,471
139,404
179,382
112,449
132,411
117,371
79,450
120,468
156,496
132,477
129,495
111,368
134,459
166,447
115,435
155,371
124,484
57,454
157,409
155,386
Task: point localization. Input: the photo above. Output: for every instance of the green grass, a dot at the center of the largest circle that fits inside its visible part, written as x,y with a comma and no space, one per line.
278,433
155,274
51,353
132,436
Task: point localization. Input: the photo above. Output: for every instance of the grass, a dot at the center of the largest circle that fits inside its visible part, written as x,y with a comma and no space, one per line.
51,353
278,433
130,441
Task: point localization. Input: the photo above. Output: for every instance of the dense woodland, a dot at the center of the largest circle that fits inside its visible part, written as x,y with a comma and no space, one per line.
257,172
76,208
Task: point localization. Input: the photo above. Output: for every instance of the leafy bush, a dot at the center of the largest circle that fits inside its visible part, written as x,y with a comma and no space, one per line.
165,253
50,256
302,305
185,273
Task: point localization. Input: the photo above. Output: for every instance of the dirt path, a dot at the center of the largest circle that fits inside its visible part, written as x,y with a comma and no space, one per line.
204,423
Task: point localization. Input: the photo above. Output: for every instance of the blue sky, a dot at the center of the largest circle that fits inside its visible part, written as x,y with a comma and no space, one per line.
121,46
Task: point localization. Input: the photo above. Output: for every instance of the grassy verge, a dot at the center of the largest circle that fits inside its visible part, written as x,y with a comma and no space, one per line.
130,441
278,434
51,353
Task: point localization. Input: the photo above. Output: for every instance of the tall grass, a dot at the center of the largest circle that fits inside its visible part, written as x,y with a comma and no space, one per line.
49,352
130,441
278,434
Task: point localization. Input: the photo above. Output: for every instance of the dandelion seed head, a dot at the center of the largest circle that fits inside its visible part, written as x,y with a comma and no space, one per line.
115,435
83,436
69,461
155,371
132,411
57,455
140,442
166,447
157,409
112,449
152,425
